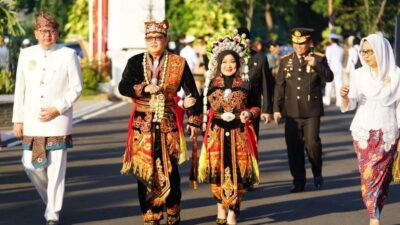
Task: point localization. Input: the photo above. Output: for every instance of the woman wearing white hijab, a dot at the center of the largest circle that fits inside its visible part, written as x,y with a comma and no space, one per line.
375,89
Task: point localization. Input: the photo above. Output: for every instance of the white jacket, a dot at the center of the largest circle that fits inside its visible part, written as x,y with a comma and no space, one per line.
46,79
334,56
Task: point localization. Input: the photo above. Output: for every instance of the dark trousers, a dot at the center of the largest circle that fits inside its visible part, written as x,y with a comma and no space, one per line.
256,125
300,134
172,202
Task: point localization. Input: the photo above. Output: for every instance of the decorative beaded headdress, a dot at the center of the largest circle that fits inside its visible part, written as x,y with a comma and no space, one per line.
229,40
153,26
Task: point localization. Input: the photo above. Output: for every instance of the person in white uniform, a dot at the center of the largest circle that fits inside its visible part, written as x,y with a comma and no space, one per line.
189,53
334,55
48,82
191,58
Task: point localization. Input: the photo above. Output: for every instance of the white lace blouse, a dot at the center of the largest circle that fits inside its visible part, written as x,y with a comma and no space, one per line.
370,95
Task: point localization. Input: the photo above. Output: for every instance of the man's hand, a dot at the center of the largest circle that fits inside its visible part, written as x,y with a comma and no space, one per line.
189,101
48,114
266,117
277,117
192,130
311,61
151,89
18,129
245,116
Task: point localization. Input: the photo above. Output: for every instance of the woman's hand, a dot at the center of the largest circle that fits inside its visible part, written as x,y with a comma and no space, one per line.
344,91
245,116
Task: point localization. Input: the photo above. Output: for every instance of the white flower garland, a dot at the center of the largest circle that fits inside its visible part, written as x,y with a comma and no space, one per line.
157,101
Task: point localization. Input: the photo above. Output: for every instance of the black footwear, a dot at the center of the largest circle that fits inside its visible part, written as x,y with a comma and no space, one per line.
153,222
52,222
318,182
297,189
220,221
173,219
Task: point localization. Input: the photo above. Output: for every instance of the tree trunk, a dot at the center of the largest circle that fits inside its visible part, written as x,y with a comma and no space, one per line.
366,4
268,17
378,17
249,13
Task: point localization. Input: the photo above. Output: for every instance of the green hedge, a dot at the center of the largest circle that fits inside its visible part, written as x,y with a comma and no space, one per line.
6,82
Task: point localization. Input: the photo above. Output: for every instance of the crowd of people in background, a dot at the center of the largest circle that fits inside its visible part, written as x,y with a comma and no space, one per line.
226,90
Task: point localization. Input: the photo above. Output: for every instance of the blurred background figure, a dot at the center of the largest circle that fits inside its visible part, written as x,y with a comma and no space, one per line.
189,53
351,46
25,43
191,58
273,56
334,55
4,55
200,69
257,46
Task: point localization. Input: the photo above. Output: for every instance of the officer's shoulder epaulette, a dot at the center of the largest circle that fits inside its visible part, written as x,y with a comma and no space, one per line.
319,54
285,56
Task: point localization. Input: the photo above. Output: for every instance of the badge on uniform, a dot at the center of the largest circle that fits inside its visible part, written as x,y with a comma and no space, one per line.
288,68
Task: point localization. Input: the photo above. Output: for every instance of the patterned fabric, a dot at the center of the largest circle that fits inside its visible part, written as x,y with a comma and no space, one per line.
39,146
375,166
228,156
154,148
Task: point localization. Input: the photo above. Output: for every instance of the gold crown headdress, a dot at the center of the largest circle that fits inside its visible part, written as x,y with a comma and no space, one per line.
153,26
229,40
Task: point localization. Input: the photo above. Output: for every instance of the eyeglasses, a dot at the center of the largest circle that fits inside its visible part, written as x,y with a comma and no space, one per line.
156,38
367,52
51,32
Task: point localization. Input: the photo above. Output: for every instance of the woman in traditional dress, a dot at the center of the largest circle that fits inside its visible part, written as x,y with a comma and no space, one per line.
228,160
375,88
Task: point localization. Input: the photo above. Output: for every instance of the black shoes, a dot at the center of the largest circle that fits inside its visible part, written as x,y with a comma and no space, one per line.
318,182
52,222
297,189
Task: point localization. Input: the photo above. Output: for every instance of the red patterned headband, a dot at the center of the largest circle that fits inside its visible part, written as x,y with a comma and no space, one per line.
46,21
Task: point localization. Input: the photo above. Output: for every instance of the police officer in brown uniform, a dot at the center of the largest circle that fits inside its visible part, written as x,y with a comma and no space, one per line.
298,97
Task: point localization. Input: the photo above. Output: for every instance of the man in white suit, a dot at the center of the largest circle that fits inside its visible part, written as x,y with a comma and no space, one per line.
48,82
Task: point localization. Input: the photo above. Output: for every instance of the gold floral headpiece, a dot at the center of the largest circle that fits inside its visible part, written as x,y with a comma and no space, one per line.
229,40
153,26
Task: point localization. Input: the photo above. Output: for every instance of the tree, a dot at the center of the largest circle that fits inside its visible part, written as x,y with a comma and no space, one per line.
57,8
199,17
78,21
9,23
362,17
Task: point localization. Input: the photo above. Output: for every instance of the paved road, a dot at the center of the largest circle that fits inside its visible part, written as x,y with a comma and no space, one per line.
97,194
